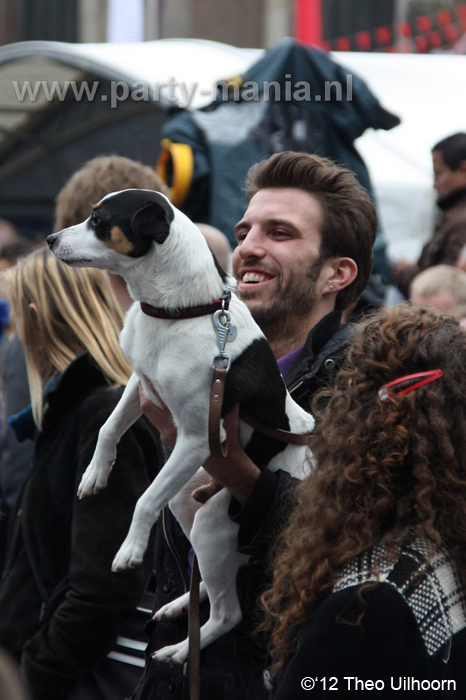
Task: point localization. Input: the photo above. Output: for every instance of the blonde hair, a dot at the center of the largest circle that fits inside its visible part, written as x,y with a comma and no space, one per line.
441,278
76,311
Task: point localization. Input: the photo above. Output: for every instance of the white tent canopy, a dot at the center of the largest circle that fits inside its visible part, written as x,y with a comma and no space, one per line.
424,90
190,65
49,126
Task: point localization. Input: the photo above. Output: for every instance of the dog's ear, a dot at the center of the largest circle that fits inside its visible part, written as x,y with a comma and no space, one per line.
152,221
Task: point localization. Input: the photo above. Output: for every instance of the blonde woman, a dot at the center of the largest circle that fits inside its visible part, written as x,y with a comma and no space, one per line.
61,607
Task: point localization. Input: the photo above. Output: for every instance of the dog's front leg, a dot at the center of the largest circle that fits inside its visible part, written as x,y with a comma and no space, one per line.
126,412
188,454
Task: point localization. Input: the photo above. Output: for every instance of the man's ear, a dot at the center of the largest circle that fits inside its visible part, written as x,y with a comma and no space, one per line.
152,221
343,272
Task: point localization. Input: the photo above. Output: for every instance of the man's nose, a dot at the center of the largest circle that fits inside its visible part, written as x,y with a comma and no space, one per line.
253,245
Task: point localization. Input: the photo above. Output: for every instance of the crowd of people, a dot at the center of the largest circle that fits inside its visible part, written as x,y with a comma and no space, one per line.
356,577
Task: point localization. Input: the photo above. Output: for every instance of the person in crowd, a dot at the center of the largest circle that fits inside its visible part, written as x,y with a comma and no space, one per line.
440,286
62,608
12,250
15,456
11,685
218,243
449,238
8,233
303,256
88,185
95,179
369,576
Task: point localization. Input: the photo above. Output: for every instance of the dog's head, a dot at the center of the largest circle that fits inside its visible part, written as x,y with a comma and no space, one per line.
123,225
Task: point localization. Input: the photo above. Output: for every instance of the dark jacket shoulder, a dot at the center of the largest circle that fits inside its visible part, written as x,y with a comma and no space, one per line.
62,606
388,628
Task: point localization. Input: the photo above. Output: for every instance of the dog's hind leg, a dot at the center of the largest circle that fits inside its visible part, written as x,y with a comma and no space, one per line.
179,606
126,412
184,508
189,452
214,538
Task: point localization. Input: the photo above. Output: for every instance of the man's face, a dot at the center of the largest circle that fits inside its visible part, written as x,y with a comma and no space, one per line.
447,180
277,260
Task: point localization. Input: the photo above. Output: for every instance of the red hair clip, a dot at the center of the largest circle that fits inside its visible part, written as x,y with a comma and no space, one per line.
427,377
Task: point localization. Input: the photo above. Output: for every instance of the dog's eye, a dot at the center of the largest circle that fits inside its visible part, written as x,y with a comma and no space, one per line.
94,219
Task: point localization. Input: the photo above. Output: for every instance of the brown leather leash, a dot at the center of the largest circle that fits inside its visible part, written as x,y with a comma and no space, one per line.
217,390
219,449
221,365
194,635
276,433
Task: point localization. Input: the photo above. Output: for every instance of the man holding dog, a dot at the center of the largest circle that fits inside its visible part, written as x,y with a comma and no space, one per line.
304,256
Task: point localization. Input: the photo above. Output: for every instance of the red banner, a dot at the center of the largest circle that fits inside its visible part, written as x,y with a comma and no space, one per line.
308,21
437,31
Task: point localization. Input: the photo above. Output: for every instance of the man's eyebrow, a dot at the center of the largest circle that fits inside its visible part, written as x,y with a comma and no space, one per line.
241,225
281,222
270,222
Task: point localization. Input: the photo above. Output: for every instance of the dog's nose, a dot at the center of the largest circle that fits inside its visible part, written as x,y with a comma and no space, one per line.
51,240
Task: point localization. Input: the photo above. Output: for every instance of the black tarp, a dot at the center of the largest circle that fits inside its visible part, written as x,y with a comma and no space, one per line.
323,108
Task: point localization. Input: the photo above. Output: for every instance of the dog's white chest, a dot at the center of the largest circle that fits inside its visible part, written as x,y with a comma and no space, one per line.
134,335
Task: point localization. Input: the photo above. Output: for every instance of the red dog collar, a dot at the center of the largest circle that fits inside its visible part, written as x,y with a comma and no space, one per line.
187,311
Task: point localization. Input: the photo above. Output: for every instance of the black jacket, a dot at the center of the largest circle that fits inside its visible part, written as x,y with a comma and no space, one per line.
240,128
412,632
232,667
61,606
445,245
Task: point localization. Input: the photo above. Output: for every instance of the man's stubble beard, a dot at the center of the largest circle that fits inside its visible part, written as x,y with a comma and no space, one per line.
278,317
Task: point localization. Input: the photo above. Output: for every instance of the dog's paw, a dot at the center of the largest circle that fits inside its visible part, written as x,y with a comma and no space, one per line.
174,609
94,480
177,653
129,556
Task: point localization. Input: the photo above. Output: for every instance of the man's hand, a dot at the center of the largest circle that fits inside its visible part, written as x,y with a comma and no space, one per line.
203,493
160,417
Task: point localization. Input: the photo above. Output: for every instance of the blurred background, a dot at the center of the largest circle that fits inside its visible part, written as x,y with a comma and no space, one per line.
81,78
345,25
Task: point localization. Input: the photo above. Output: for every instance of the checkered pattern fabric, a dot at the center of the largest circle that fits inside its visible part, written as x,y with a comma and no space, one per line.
430,588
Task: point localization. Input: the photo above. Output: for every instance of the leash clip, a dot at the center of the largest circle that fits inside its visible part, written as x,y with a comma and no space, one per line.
226,331
226,298
222,361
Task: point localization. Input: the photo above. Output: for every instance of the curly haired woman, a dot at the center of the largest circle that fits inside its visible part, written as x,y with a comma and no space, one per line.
370,572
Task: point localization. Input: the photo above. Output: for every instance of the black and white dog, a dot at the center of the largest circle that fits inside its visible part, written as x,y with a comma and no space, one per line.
169,270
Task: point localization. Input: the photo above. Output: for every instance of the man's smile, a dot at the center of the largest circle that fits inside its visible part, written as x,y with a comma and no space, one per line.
253,278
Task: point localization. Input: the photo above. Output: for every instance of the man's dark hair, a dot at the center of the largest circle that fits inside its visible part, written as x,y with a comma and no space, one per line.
453,149
349,221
